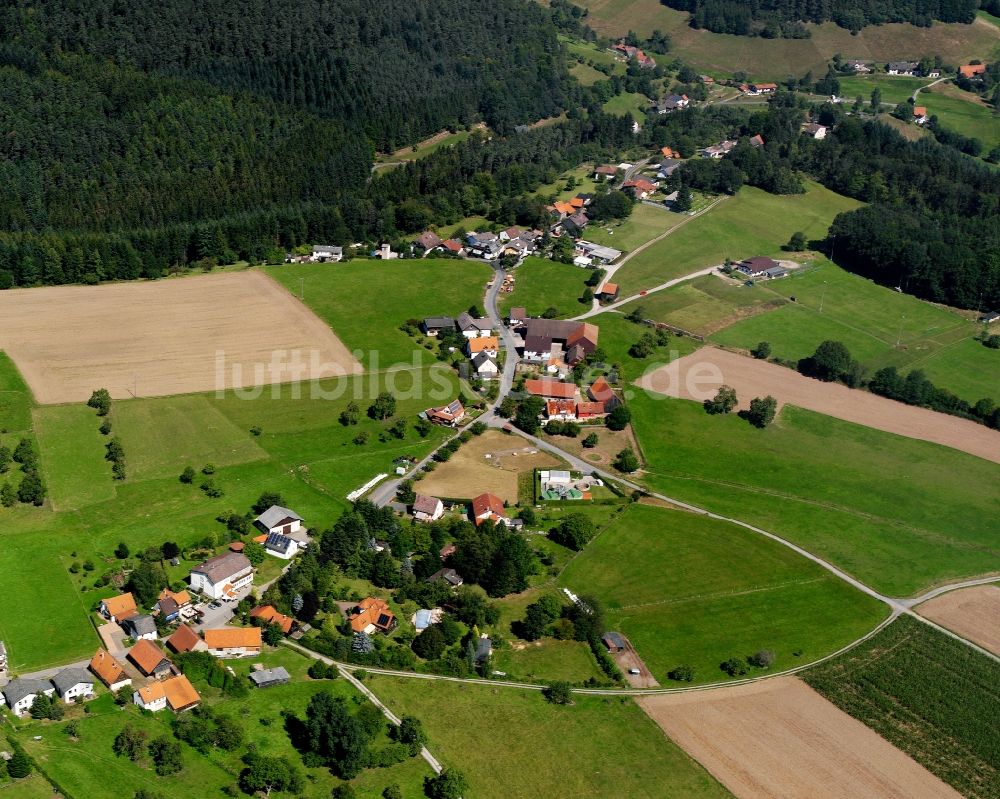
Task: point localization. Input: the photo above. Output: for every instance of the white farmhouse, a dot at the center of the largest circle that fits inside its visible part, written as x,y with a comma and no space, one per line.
73,684
20,694
277,519
222,577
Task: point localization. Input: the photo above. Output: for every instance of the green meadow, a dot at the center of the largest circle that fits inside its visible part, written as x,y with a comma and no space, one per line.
963,112
899,514
751,223
643,224
541,284
687,589
514,745
831,303
894,88
365,301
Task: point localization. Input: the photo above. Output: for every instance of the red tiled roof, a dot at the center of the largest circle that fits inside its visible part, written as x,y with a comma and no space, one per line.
108,669
546,387
269,614
184,639
234,637
486,506
121,606
919,111
147,656
600,390
372,611
585,409
970,70
560,407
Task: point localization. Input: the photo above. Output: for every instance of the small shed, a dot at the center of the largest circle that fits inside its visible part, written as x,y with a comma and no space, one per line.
613,641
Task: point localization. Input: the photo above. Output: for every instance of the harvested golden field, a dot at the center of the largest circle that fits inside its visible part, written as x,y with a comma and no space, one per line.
490,462
174,336
779,737
972,613
698,376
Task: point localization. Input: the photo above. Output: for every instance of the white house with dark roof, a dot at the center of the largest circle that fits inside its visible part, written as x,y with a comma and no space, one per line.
471,327
140,627
326,253
74,683
20,694
277,519
427,508
281,546
224,576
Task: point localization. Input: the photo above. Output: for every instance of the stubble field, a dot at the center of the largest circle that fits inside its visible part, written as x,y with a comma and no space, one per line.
162,338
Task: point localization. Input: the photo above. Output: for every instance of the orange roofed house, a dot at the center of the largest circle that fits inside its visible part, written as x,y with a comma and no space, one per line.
372,615
448,415
109,670
177,693
972,70
149,659
550,389
571,342
488,507
269,615
234,642
118,608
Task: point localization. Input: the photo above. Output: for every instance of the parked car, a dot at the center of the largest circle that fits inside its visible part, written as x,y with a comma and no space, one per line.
634,670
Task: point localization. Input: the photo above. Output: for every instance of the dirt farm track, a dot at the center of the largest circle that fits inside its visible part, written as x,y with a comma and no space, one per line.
153,339
698,376
778,737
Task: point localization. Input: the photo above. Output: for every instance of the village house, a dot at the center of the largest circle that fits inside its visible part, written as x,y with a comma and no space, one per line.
672,102
605,172
151,697
150,659
590,410
518,317
568,341
428,241
920,115
281,546
485,367
118,608
471,327
20,693
600,391
447,575
756,141
488,344
614,642
433,325
109,670
989,317
761,267
223,576
181,695
861,67
549,388
762,88
902,68
427,508
173,604
453,246
324,253
483,245
184,639
642,59
448,415
972,71
425,617
814,131
140,627
268,614
719,150
74,684
575,223
488,507
234,642
268,678
372,615
667,168
484,649
932,72
277,519
608,292
640,188
562,410
598,252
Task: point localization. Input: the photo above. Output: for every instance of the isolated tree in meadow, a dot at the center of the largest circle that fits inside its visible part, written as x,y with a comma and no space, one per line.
188,475
682,673
335,735
350,414
626,461
32,489
266,500
762,659
130,742
24,452
723,402
559,693
591,441
830,362
734,666
264,774
449,784
383,407
392,792
761,411
101,401
796,243
574,531
684,201
411,732
122,551
876,100
169,550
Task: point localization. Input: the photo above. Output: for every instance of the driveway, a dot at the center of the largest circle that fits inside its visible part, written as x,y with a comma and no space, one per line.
113,638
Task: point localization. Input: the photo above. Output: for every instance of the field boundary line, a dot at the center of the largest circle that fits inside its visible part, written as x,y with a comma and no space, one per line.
718,595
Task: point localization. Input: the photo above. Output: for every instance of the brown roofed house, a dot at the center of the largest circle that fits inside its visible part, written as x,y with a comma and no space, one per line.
488,506
109,670
270,615
118,608
428,240
972,70
185,639
590,410
427,508
150,659
601,391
